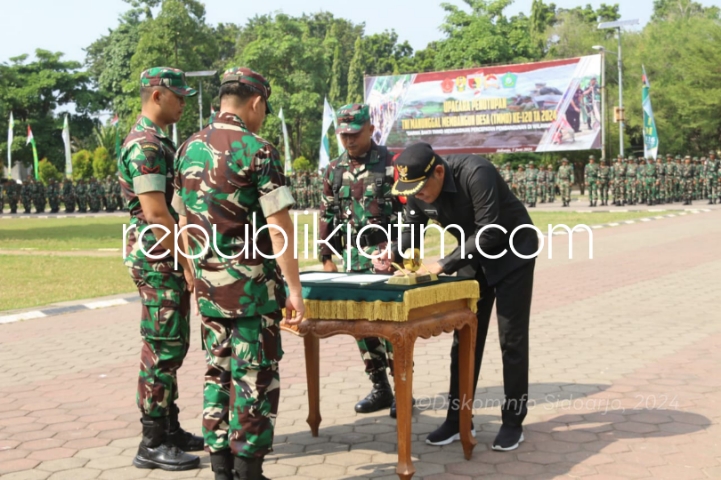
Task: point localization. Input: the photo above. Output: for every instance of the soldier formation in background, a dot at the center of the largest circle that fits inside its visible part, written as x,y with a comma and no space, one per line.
307,189
629,181
84,195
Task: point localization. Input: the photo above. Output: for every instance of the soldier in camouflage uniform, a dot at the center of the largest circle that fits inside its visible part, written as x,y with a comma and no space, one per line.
110,197
542,184
12,193
651,181
117,194
631,182
240,300
641,179
619,182
590,177
604,181
507,174
94,196
53,196
687,180
712,178
26,195
39,200
357,192
698,179
519,183
565,181
69,195
551,184
673,180
146,171
531,182
81,195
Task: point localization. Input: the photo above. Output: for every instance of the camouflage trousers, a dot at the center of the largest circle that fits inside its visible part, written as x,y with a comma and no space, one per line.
651,191
377,353
603,190
687,186
531,193
565,190
619,190
241,392
631,190
165,329
592,190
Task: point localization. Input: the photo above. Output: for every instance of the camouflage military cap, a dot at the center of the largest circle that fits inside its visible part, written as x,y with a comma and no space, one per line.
251,79
531,164
711,152
678,157
668,155
564,160
591,157
352,117
695,159
170,78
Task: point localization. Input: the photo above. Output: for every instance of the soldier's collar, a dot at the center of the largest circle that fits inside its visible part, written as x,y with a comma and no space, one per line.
148,124
229,118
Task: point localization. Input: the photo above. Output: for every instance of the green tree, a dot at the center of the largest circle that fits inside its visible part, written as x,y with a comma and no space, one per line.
103,163
82,165
34,90
46,171
302,164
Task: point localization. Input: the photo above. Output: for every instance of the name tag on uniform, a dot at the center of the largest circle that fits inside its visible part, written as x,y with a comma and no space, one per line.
431,213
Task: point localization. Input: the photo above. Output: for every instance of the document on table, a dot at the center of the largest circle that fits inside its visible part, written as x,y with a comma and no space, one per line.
320,276
361,279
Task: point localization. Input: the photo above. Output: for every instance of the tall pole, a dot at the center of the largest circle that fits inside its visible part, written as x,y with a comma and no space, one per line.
620,93
603,104
200,103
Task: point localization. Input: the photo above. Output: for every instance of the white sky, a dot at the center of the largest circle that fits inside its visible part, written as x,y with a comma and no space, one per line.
70,25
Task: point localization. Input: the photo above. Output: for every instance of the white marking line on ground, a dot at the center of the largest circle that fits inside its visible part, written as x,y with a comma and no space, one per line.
645,219
108,249
614,224
29,249
22,316
630,222
106,303
621,211
671,216
659,217
597,227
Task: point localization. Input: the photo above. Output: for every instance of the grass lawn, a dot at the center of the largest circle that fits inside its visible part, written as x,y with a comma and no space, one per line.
41,279
30,280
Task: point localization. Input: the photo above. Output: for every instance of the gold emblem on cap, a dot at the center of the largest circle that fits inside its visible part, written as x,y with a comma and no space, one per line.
403,172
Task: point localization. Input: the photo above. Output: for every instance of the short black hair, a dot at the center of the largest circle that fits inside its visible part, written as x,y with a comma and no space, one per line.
242,92
147,92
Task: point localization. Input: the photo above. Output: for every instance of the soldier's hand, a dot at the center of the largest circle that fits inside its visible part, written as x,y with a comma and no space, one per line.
329,266
189,280
294,309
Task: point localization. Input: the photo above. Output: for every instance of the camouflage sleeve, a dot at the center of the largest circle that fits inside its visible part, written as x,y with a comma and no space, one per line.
271,182
146,167
326,213
177,203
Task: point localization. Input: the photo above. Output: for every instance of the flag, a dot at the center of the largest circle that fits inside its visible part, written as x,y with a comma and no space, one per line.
324,143
650,134
68,156
11,125
288,163
31,141
341,150
114,122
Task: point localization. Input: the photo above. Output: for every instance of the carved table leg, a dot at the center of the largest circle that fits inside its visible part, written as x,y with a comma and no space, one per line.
312,372
403,378
466,353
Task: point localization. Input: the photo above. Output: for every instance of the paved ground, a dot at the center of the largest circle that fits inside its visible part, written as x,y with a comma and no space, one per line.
625,378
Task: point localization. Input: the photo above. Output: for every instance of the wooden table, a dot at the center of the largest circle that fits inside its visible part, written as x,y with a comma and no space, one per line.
422,322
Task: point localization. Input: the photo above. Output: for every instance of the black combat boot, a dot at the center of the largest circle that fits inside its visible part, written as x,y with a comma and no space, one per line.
178,437
393,407
381,396
156,452
248,469
222,464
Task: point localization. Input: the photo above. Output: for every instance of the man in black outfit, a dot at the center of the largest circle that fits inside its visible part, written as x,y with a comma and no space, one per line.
467,191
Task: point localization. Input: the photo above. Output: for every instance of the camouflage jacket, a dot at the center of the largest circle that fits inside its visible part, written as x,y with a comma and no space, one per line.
565,174
358,205
531,175
12,190
604,172
590,172
228,181
619,171
145,165
507,175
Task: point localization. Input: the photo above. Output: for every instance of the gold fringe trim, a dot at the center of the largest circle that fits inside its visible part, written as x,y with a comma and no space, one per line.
394,311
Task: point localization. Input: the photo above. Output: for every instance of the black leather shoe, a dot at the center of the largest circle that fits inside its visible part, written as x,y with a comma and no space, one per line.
156,452
248,469
381,396
222,464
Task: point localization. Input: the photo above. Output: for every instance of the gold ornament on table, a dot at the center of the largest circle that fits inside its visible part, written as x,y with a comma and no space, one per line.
410,270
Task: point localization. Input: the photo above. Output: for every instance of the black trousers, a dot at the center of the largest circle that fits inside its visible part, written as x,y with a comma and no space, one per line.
512,297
